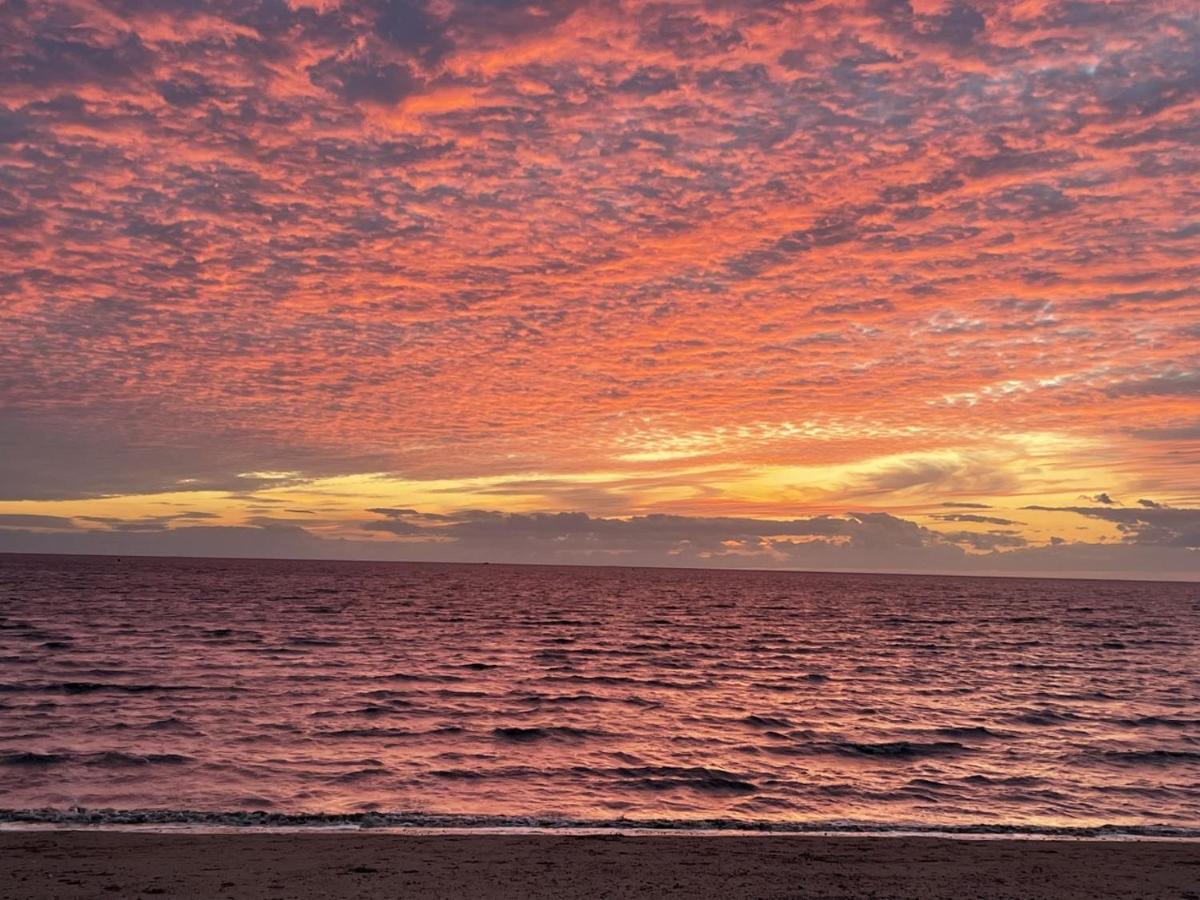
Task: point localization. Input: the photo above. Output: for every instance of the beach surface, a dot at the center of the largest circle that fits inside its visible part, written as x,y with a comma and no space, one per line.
37,865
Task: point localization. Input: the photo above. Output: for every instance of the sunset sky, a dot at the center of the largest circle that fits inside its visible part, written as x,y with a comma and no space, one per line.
903,285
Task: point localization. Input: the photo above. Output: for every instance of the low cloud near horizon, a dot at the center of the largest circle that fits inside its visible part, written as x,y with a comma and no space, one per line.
1156,543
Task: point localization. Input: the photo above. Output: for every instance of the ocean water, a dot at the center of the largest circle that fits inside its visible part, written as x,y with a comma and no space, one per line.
494,692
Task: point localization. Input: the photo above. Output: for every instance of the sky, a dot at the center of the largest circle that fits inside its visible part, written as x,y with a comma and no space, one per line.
881,285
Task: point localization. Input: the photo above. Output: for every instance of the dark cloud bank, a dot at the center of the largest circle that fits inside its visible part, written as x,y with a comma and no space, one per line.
1158,543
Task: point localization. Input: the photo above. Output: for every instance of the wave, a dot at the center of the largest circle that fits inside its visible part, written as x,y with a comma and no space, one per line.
1152,756
82,816
699,778
506,772
28,758
359,775
89,687
537,733
231,635
966,731
633,682
117,758
171,723
417,676
1043,717
104,759
388,732
894,749
758,721
1162,721
304,641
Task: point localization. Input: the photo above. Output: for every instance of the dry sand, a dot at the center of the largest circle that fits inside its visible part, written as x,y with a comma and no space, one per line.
94,864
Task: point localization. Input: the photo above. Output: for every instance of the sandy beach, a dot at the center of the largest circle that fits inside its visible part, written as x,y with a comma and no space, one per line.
88,864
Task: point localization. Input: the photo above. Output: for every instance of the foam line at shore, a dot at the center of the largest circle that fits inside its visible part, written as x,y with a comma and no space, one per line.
153,819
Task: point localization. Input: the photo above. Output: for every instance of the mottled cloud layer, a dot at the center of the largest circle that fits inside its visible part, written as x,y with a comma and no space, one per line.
716,260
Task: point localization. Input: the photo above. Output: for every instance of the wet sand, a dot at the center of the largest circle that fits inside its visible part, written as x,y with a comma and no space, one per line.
90,864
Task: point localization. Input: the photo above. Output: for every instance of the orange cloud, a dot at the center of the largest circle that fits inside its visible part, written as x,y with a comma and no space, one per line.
753,253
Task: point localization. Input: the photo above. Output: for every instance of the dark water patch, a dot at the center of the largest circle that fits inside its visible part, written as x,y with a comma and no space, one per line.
94,687
37,634
569,623
757,721
255,803
102,759
524,697
1157,721
502,773
1140,791
978,732
537,733
359,775
396,697
1043,717
380,733
696,778
1042,667
231,636
170,723
779,687
767,803
119,759
29,758
1154,757
374,710
895,749
418,676
460,774
705,785
789,685
369,733
1008,780
627,680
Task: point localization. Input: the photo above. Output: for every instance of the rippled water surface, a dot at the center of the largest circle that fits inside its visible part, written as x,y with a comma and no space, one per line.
597,693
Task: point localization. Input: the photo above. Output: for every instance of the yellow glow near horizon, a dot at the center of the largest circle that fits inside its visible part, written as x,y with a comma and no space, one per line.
1018,470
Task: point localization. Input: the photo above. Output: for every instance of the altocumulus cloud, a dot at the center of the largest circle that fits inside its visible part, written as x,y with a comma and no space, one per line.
252,244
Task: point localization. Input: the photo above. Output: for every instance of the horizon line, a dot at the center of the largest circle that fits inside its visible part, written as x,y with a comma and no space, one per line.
576,565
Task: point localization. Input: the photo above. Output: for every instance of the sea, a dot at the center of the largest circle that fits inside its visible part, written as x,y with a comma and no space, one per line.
234,692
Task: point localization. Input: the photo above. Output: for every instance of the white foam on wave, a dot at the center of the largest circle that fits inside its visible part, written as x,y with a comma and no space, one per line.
416,823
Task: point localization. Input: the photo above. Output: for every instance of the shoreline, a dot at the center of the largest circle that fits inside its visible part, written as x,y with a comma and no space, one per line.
76,864
410,822
1107,836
